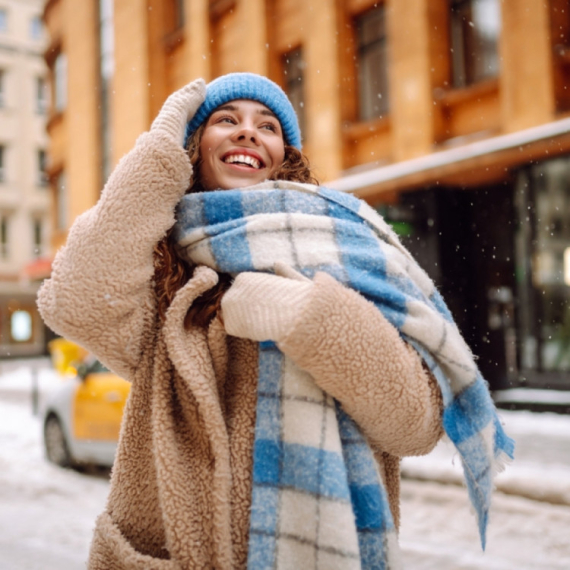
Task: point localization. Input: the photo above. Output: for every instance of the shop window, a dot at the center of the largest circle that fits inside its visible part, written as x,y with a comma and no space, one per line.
543,266
293,69
475,26
4,237
60,82
372,63
61,202
21,326
36,28
41,95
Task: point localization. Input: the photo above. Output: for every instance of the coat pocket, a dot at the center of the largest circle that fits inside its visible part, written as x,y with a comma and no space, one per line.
111,551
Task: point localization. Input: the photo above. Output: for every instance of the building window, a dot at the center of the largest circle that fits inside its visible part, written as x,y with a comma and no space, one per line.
41,171
36,28
3,20
2,88
21,326
293,68
2,167
60,82
4,237
41,95
372,63
61,202
475,26
38,234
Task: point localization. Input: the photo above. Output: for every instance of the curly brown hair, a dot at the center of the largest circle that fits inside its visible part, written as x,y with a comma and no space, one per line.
171,272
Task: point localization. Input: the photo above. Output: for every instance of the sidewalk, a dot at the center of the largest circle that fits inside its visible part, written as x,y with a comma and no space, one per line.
540,470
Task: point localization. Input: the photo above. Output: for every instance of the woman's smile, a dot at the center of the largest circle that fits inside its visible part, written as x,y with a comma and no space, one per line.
242,145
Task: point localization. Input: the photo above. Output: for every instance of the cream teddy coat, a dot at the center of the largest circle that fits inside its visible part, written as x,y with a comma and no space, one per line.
181,483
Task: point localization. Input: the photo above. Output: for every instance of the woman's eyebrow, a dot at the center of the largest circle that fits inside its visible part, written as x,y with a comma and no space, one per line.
226,107
268,113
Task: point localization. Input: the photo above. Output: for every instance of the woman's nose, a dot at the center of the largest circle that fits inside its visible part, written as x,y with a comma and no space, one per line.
246,132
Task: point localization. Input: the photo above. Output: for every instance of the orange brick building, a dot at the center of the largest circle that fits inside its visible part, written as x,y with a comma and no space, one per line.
451,116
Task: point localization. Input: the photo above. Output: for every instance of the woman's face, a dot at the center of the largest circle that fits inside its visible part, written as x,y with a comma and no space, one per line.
242,145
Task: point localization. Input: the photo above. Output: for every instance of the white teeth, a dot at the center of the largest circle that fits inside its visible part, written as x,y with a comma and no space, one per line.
244,158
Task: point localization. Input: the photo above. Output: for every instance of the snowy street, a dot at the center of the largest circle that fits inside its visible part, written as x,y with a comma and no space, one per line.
47,513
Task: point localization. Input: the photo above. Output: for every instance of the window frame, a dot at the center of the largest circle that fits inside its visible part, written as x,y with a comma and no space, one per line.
467,50
365,51
42,99
38,231
294,60
4,236
41,163
59,83
60,209
35,28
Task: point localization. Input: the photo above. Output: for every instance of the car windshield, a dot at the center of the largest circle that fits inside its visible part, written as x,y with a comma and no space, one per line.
97,366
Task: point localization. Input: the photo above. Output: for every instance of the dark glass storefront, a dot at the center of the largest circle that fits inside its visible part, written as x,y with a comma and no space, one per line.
542,199
500,255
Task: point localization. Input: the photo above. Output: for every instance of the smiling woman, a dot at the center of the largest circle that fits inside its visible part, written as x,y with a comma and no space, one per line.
242,144
285,351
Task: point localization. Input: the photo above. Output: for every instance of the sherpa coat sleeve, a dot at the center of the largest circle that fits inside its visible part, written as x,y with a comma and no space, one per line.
100,292
358,357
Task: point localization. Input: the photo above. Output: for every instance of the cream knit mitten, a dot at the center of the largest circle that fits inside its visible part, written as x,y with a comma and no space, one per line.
261,306
178,109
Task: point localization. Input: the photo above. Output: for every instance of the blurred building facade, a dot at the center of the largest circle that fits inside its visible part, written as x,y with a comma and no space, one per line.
452,117
25,202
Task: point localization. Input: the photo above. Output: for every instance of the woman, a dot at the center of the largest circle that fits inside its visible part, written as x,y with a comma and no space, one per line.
270,403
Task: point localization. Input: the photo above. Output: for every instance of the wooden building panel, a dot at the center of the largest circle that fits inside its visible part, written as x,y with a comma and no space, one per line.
158,88
374,146
478,111
131,113
83,160
226,39
288,23
527,93
53,20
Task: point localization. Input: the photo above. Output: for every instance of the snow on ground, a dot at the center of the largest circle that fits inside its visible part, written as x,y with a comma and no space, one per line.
47,514
438,531
541,469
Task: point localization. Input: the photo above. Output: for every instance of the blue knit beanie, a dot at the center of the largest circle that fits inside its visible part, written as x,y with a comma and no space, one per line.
248,86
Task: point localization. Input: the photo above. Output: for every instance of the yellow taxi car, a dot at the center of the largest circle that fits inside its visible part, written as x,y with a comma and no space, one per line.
82,417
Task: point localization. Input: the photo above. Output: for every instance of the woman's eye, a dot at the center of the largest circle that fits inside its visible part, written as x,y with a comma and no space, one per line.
225,119
269,127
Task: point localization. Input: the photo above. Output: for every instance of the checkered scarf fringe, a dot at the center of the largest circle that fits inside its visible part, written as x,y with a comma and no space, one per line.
318,500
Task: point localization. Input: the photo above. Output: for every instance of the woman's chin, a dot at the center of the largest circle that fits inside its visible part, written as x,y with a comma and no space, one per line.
239,182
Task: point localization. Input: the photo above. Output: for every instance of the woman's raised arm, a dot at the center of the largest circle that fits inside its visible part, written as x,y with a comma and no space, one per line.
100,292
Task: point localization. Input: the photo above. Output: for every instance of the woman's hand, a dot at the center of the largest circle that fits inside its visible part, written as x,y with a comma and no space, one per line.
261,306
178,109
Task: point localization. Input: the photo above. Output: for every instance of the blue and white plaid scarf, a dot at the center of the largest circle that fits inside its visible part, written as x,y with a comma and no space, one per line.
318,500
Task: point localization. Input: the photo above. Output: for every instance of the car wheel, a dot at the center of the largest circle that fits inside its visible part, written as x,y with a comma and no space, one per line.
55,443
